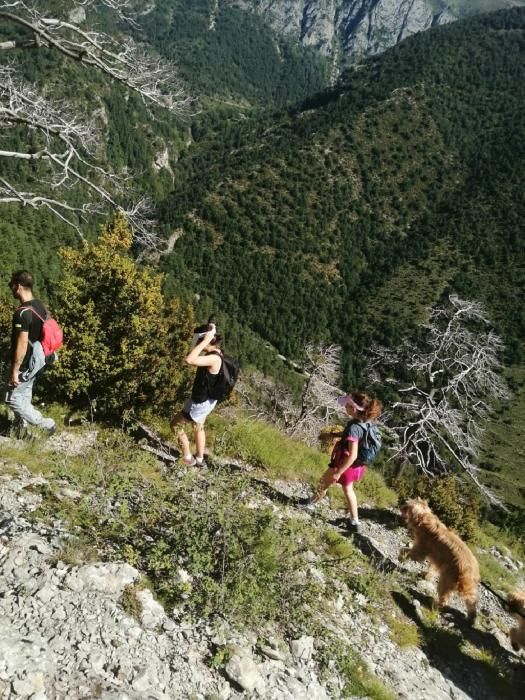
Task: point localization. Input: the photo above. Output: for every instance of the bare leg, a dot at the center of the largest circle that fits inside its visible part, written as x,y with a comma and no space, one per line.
200,440
323,486
177,427
351,500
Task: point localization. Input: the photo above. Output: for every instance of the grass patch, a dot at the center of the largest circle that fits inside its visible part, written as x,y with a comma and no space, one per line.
240,559
74,551
267,449
503,452
349,565
130,602
404,632
494,572
281,457
358,680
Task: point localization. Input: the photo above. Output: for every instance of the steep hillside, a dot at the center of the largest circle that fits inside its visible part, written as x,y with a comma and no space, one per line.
231,55
401,183
125,575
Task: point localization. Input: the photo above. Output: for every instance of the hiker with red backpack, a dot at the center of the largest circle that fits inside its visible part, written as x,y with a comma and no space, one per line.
35,337
357,447
215,377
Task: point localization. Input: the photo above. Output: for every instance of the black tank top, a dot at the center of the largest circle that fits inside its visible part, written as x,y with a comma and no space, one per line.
202,383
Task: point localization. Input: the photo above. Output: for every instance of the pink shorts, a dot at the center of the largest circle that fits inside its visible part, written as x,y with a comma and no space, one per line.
352,474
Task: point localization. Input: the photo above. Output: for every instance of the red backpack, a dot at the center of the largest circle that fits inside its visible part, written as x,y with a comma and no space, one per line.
52,335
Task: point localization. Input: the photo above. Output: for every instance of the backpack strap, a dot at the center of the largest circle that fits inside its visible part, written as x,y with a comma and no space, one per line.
221,355
24,308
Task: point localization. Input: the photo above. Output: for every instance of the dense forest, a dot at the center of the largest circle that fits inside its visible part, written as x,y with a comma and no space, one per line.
233,55
340,219
344,218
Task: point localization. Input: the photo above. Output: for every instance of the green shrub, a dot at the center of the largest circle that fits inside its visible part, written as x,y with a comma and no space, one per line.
404,633
448,498
358,681
129,601
124,346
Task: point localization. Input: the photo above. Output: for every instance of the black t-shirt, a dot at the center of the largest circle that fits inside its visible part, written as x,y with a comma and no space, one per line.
26,320
202,383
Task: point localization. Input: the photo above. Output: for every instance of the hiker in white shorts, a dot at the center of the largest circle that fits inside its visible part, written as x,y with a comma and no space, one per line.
207,356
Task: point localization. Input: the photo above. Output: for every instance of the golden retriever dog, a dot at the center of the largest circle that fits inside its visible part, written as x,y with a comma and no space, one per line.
448,555
516,601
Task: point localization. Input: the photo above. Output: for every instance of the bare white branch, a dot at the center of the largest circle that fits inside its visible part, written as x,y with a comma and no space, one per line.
118,57
267,399
64,145
447,383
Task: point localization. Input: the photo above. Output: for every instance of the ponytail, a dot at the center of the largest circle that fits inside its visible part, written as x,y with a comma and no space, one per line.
372,408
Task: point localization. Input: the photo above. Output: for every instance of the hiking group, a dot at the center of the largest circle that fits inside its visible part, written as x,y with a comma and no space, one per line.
36,337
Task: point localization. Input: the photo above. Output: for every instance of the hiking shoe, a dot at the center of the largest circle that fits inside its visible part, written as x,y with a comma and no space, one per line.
353,526
200,463
189,461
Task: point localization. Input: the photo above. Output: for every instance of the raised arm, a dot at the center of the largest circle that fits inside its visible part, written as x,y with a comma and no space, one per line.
195,358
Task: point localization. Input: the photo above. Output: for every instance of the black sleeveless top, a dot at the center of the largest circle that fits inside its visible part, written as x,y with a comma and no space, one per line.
202,383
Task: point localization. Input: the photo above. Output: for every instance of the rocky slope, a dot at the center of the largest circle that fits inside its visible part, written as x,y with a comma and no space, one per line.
66,630
358,28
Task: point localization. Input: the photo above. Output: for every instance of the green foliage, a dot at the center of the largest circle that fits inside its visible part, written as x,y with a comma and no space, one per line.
266,448
124,348
240,559
256,64
448,498
359,682
238,566
411,189
129,601
504,446
404,632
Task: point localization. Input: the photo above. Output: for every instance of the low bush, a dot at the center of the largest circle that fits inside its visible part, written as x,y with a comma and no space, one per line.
448,498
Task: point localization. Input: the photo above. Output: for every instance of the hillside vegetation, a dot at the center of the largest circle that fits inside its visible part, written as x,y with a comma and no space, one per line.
400,183
237,567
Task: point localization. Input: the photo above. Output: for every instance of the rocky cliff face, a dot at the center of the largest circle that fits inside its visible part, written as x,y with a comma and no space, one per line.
353,27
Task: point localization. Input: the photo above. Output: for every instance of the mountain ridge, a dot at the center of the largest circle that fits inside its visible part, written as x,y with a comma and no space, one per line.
348,29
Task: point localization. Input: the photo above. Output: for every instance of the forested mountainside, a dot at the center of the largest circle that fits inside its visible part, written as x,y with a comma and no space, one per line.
343,219
267,52
228,54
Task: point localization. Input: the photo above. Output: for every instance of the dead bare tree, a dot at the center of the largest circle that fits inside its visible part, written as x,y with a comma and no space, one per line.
67,145
447,380
320,390
265,398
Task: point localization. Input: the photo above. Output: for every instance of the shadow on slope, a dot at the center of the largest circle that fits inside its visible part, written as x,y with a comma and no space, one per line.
472,658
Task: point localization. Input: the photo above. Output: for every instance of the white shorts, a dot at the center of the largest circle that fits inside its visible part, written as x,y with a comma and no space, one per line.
198,412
